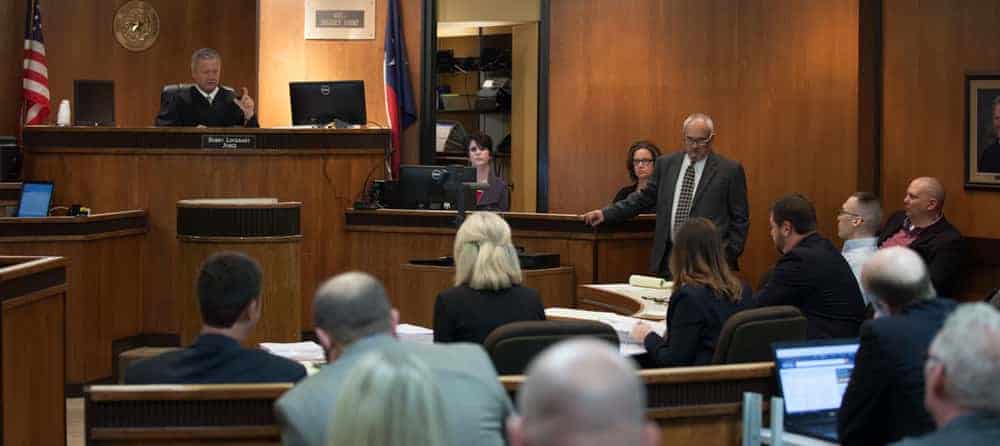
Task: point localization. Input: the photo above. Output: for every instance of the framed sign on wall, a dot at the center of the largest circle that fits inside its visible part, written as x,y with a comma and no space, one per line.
340,19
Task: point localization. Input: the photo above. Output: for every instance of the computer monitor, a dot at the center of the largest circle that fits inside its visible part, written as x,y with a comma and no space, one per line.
35,199
95,103
320,103
424,187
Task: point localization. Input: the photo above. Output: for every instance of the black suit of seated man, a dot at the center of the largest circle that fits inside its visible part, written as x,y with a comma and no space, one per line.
811,274
884,400
207,103
229,296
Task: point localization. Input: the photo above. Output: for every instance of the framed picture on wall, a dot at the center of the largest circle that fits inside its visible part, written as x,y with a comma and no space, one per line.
982,118
340,19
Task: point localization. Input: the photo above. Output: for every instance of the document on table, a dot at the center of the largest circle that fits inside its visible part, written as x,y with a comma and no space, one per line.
415,333
296,351
622,324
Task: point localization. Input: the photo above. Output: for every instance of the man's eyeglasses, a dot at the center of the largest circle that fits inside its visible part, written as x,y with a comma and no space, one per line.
841,211
698,141
642,162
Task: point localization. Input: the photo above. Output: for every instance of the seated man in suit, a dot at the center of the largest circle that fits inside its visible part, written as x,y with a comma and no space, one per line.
811,274
207,103
229,296
695,182
353,317
921,226
858,223
884,399
581,392
962,395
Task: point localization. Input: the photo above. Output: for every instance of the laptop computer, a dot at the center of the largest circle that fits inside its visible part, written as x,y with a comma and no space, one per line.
813,376
35,199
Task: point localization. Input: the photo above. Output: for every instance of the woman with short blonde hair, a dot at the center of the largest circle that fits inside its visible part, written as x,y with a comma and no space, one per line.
487,291
389,398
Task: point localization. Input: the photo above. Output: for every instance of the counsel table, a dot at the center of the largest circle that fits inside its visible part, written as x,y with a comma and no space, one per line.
153,168
382,240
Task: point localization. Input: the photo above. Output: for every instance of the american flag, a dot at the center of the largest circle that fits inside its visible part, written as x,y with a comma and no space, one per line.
35,108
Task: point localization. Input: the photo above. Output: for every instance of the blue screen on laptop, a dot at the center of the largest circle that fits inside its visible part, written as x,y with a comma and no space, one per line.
35,198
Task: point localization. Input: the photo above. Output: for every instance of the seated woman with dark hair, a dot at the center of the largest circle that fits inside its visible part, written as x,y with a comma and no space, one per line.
706,293
495,197
487,291
641,160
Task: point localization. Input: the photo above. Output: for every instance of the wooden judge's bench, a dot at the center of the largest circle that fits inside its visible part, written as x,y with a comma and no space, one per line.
111,170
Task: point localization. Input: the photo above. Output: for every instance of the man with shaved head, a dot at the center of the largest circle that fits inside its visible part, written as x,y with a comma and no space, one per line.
581,392
921,226
884,399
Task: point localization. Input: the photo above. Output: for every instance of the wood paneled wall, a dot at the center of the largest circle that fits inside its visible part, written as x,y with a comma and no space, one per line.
928,48
80,44
286,56
780,77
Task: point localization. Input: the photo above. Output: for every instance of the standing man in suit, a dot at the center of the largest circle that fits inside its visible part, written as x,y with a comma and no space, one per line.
961,394
207,103
921,226
695,182
229,297
884,399
353,317
811,274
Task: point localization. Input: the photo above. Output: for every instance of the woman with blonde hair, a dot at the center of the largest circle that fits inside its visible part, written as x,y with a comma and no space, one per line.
706,293
487,291
390,398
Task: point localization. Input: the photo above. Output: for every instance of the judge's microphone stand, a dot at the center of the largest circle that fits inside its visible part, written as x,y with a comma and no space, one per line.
455,184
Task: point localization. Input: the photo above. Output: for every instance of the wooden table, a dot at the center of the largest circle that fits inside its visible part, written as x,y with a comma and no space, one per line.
152,168
32,333
105,264
600,298
423,283
381,240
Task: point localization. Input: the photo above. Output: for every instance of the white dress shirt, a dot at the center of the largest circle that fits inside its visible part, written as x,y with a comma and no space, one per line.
208,96
857,252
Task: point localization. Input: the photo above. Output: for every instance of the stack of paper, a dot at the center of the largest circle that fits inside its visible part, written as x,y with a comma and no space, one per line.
296,351
415,333
649,282
623,325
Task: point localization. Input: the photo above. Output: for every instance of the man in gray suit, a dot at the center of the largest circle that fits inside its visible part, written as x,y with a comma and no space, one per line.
353,317
695,182
960,385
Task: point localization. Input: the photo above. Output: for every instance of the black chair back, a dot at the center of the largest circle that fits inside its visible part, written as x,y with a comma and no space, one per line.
747,336
512,346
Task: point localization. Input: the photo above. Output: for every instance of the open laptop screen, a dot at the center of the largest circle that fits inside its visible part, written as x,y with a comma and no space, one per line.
35,199
814,376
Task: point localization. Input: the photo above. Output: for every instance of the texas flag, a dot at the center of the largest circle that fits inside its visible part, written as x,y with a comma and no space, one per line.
399,104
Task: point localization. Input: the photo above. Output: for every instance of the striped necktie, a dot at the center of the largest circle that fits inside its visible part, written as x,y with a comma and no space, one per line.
684,201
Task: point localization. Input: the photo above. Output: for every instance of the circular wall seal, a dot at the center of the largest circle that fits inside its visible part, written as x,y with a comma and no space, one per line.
136,25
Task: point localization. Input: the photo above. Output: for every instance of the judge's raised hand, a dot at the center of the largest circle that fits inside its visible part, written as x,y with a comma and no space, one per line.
245,102
593,218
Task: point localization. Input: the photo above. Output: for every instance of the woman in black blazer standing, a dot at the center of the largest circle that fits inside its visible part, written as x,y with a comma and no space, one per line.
706,293
487,291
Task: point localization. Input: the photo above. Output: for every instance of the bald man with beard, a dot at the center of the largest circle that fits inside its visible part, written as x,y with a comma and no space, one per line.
921,226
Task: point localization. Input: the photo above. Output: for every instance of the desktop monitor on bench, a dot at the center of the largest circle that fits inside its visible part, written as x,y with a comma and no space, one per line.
321,103
424,187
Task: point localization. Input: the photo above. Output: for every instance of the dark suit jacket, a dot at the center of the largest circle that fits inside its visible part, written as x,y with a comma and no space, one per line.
814,277
624,192
940,245
990,161
462,314
694,320
884,400
214,359
721,196
188,108
975,429
496,197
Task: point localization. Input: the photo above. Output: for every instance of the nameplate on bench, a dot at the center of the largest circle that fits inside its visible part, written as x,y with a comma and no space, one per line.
229,141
